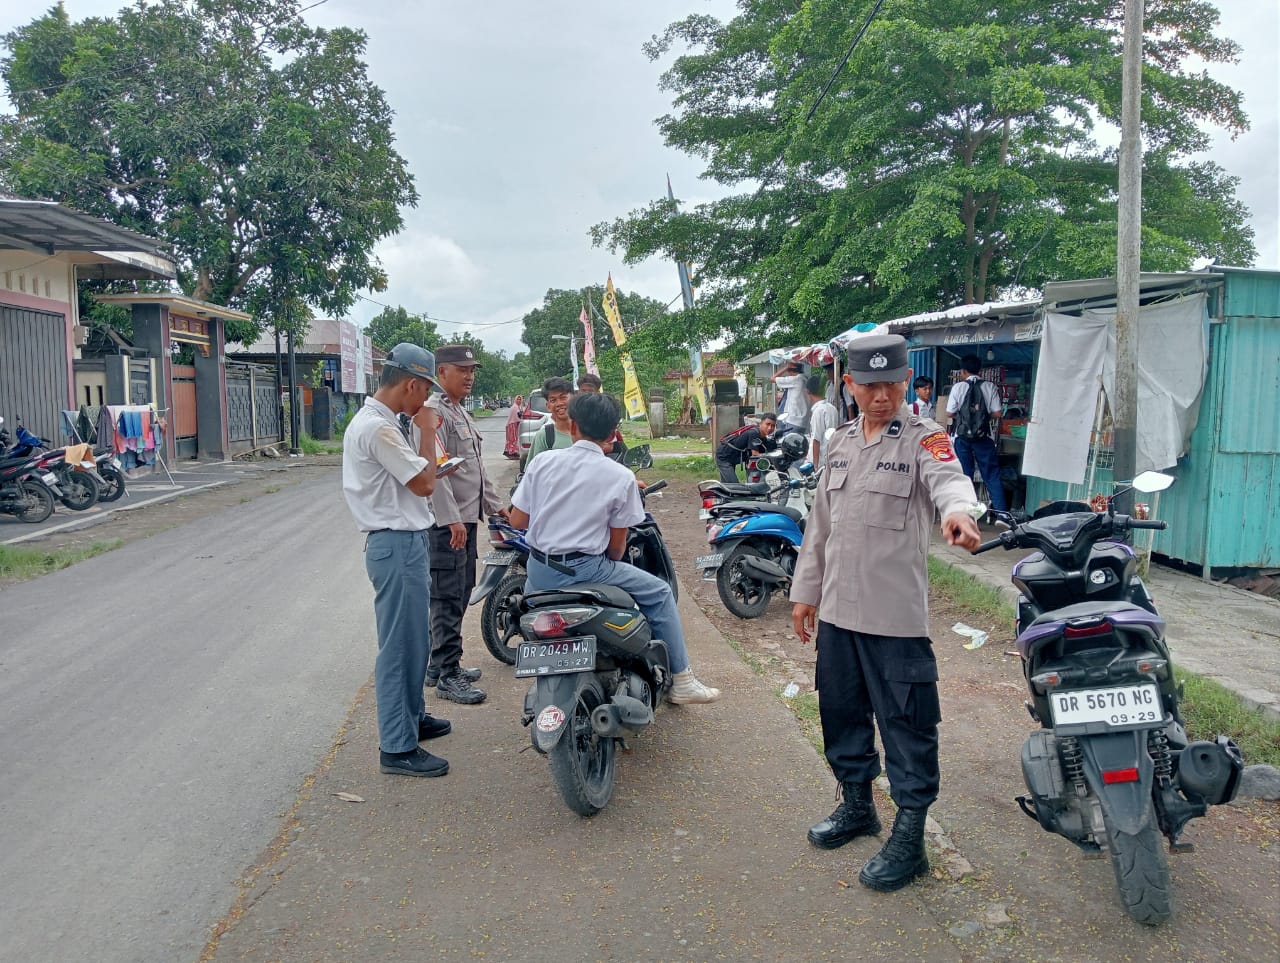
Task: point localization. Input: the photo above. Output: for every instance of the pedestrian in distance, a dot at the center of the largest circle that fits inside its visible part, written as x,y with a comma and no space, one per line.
862,576
555,434
972,404
616,446
793,409
512,447
460,502
738,445
577,505
387,480
923,403
822,418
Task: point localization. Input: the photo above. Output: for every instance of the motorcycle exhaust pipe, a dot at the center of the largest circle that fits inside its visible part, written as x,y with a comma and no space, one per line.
621,716
764,570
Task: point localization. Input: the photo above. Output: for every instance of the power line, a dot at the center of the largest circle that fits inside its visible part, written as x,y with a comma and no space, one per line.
428,317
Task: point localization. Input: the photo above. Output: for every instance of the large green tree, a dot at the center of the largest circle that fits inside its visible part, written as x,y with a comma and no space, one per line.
954,158
253,143
560,314
393,326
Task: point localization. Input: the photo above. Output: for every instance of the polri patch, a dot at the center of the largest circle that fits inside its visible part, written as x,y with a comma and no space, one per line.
939,446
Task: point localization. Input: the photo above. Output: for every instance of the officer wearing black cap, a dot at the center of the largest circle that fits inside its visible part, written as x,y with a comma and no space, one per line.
460,502
387,479
862,576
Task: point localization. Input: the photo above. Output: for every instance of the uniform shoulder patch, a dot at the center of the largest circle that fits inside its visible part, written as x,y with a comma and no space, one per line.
938,445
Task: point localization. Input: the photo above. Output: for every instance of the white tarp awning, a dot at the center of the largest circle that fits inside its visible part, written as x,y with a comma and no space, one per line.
1078,353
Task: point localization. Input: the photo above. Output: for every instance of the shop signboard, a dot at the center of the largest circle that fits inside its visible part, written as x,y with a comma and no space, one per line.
366,366
986,332
348,347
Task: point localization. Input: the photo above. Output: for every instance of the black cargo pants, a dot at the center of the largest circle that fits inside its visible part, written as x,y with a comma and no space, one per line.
453,576
894,679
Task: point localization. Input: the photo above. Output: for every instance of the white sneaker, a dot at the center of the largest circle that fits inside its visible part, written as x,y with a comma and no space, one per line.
686,689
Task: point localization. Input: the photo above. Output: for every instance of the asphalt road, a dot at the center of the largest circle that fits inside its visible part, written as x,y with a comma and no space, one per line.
160,708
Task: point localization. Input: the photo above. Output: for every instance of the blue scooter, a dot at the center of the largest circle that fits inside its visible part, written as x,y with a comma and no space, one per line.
501,588
757,546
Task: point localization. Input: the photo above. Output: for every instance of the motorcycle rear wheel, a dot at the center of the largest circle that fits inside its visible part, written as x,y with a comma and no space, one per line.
114,487
1142,871
582,762
745,597
79,491
499,618
37,503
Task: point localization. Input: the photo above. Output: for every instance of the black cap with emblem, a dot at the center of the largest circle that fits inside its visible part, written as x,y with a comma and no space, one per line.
877,358
459,354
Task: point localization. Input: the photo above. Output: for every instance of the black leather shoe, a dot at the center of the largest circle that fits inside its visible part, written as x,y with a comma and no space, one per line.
457,688
419,762
429,727
902,858
854,817
471,675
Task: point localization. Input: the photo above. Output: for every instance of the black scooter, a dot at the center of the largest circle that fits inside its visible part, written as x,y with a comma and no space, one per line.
1110,768
599,675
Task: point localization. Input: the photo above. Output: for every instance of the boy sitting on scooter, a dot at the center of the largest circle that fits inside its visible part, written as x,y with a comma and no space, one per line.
577,505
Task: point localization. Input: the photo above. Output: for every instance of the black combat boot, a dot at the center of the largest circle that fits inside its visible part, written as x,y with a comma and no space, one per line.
902,858
854,817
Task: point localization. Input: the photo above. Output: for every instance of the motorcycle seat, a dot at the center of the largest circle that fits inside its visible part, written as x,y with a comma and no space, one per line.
1082,610
759,507
749,488
599,592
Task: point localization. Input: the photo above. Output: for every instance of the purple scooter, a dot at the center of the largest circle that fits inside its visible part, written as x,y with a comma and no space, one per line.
1110,768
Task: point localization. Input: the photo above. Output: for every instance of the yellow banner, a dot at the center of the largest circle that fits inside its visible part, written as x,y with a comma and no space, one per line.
632,396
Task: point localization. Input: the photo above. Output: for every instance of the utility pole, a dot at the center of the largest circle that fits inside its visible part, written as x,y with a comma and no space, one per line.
1124,404
279,387
294,398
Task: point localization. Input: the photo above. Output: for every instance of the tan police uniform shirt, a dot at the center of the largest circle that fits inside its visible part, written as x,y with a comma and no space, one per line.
468,494
863,561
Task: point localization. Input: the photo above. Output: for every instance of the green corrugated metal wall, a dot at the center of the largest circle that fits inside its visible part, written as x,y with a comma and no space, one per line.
1224,510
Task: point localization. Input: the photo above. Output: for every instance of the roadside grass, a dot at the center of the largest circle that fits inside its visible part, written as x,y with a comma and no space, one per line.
21,563
482,413
1208,708
637,433
691,468
804,705
310,446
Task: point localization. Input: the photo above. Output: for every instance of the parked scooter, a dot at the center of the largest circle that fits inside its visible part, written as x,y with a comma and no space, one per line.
1110,768
757,545
26,492
599,675
501,587
79,483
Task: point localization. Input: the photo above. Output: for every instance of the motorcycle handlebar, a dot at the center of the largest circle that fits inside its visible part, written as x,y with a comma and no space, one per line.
1147,523
988,546
655,487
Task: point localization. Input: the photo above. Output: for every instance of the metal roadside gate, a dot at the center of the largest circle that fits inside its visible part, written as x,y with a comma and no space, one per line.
33,369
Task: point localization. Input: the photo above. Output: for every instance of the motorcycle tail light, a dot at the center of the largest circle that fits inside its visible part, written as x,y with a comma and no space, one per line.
1047,679
554,623
713,532
1085,629
1110,776
708,502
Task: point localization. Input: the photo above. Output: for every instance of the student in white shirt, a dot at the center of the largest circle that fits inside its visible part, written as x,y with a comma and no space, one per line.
577,505
793,414
923,403
822,418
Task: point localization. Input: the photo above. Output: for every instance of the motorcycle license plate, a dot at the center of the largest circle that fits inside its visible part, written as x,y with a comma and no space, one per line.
115,462
48,477
501,558
705,562
555,656
1125,705
704,514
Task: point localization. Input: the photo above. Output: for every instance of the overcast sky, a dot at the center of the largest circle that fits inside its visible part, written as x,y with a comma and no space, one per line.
526,122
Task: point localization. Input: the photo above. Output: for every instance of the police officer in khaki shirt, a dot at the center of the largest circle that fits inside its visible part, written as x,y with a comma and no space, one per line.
862,576
460,502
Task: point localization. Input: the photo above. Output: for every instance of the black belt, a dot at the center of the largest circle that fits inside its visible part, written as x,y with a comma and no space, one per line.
557,561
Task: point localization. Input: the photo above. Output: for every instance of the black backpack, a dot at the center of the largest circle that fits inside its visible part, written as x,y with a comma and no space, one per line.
972,420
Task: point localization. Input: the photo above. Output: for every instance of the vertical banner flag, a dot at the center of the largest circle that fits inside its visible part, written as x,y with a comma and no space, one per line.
698,381
573,357
588,344
632,397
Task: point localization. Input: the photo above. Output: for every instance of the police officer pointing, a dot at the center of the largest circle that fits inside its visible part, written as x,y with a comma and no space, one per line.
862,576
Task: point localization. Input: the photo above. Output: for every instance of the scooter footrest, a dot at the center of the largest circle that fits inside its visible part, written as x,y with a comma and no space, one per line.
1177,849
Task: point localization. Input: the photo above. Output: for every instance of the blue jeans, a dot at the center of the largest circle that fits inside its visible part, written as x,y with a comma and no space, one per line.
651,593
983,452
398,565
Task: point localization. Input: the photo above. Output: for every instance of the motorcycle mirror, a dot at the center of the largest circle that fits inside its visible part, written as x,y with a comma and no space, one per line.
1152,481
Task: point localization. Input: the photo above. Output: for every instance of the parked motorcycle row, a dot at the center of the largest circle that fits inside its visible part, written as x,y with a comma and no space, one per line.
35,476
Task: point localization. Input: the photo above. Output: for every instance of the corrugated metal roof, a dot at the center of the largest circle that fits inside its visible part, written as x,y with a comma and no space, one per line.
962,314
46,227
